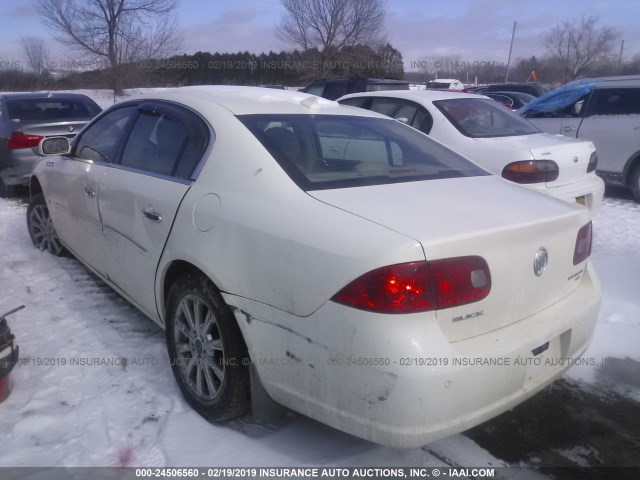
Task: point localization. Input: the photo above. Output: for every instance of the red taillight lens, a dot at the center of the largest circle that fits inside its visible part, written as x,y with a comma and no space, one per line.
419,286
458,281
593,162
583,244
19,140
531,171
402,288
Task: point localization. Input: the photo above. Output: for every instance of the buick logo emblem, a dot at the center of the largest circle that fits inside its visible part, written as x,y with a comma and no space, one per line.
71,129
540,261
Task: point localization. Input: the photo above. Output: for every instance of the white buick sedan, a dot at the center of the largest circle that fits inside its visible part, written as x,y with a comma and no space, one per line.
497,139
367,276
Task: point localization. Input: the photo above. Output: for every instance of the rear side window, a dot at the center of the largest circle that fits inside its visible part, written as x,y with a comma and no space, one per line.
51,109
335,90
354,102
617,101
315,89
407,112
160,144
340,151
100,141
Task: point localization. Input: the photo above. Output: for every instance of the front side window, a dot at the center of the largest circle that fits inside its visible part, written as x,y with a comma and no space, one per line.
100,141
480,118
340,151
154,144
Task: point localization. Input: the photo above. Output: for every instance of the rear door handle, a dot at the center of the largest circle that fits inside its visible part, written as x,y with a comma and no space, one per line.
152,215
568,129
89,192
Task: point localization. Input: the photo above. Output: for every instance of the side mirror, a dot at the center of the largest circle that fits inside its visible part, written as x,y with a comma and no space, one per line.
55,146
577,108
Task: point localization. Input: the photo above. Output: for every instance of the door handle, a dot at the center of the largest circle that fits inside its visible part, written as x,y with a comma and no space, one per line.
89,192
568,129
152,215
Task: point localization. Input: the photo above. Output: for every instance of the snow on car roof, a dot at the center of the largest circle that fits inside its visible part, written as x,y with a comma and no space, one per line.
254,100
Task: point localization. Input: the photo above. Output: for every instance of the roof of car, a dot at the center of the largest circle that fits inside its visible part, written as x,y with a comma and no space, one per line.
367,79
29,95
253,100
416,95
619,81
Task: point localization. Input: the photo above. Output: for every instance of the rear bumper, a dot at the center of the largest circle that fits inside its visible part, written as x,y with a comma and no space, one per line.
18,167
591,189
397,380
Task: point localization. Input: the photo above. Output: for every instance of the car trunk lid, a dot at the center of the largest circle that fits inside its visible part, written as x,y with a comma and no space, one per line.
506,224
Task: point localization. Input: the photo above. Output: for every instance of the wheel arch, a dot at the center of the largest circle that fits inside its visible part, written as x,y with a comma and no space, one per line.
34,187
629,167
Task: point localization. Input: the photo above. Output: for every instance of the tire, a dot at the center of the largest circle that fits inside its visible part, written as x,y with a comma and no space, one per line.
207,352
41,229
634,182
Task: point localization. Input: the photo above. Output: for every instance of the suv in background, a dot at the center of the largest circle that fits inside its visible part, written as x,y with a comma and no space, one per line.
28,118
334,88
534,89
604,110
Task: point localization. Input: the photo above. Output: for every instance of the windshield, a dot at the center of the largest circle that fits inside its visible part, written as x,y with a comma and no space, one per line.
483,118
51,109
339,151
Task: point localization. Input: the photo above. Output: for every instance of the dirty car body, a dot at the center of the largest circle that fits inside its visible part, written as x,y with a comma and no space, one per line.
356,262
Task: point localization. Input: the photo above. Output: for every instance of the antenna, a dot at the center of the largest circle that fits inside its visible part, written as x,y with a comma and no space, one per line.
513,34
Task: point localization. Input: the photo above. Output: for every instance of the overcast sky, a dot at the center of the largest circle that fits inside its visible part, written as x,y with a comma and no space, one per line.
474,30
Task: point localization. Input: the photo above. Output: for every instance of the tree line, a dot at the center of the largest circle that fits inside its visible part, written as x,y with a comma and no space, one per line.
135,43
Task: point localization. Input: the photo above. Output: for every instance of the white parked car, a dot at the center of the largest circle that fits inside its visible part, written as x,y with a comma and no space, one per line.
497,139
603,110
377,281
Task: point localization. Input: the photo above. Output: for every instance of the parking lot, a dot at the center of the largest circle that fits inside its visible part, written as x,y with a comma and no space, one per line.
94,386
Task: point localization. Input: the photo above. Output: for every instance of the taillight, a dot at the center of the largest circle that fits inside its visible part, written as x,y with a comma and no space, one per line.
531,171
419,286
593,162
19,140
458,281
583,244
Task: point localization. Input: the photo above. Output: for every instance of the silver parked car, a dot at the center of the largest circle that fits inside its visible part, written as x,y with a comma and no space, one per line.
28,118
604,110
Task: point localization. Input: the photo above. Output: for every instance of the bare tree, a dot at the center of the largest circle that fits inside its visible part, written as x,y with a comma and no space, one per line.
114,32
580,44
330,25
37,55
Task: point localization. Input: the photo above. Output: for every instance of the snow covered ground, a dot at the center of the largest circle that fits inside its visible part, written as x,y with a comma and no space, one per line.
98,391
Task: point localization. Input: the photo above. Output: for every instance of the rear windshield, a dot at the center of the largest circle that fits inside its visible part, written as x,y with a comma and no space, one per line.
480,118
51,109
338,151
380,87
443,86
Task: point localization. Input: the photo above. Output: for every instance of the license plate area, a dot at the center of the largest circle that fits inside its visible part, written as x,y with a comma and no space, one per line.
547,359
